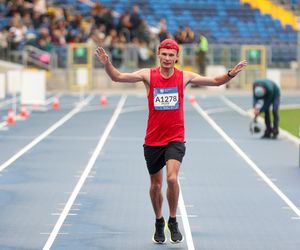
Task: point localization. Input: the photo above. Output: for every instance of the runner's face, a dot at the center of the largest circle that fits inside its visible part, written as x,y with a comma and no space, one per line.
167,57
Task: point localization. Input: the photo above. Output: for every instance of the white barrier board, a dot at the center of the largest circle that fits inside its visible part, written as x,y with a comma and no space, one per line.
82,76
216,70
33,91
2,86
274,75
13,78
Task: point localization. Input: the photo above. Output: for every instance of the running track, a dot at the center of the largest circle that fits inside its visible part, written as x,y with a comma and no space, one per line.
75,178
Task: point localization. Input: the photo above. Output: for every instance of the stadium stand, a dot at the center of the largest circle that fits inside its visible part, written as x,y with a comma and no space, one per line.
222,21
243,23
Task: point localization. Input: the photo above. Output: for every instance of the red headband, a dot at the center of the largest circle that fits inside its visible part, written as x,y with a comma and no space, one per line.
169,44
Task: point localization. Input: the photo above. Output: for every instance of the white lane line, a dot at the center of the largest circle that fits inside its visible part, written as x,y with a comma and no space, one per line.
72,209
185,221
189,215
189,205
85,174
234,106
247,159
290,106
3,126
134,109
75,204
59,233
46,133
217,110
59,214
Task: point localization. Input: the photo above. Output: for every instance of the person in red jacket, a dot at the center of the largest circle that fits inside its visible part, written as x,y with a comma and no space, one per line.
164,143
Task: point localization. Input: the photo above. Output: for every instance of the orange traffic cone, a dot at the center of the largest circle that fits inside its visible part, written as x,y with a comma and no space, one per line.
192,99
55,103
23,112
103,100
10,119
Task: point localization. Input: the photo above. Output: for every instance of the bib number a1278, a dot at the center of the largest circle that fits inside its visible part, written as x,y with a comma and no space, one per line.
166,98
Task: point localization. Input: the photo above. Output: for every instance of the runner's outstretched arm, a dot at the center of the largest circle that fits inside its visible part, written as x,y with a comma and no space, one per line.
116,75
190,77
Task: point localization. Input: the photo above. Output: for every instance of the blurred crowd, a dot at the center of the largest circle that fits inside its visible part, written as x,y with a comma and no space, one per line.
293,5
45,26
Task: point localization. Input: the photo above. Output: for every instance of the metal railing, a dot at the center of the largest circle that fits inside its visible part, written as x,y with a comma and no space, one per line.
129,56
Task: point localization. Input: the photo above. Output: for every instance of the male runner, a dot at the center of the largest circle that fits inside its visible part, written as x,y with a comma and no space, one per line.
164,141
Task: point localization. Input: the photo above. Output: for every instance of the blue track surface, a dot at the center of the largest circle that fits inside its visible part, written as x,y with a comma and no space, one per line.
229,203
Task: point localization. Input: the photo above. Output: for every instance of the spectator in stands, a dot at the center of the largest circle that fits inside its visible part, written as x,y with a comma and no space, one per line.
188,35
39,6
179,36
87,27
45,41
124,26
76,23
3,43
16,7
144,53
188,38
112,38
27,20
164,141
58,38
202,50
162,25
17,33
115,42
44,22
164,34
45,45
143,32
36,20
60,26
97,14
31,39
267,93
96,38
108,17
135,20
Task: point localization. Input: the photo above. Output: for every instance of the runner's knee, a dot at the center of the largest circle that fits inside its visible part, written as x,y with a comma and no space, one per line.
156,186
172,180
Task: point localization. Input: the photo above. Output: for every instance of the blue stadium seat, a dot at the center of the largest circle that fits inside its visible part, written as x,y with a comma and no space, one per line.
244,24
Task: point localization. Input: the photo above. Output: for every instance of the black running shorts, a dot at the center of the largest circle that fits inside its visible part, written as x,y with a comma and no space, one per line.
157,156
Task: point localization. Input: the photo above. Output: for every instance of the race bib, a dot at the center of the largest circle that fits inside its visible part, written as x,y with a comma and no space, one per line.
165,98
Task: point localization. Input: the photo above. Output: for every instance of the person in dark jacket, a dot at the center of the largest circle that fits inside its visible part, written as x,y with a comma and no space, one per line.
265,94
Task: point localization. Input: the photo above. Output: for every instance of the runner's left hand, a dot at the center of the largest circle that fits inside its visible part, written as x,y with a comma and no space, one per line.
239,67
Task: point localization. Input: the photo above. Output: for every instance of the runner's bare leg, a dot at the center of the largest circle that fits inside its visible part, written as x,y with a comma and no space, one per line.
156,193
173,186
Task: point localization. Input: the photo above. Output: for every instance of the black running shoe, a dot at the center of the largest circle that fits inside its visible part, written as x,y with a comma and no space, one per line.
275,133
159,235
266,135
175,234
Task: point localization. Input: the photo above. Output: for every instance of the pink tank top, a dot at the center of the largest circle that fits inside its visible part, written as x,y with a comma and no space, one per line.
165,103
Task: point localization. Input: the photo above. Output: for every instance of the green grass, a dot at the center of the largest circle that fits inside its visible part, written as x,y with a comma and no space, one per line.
290,120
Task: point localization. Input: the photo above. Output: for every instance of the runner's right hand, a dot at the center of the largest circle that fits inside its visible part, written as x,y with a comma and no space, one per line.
102,56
